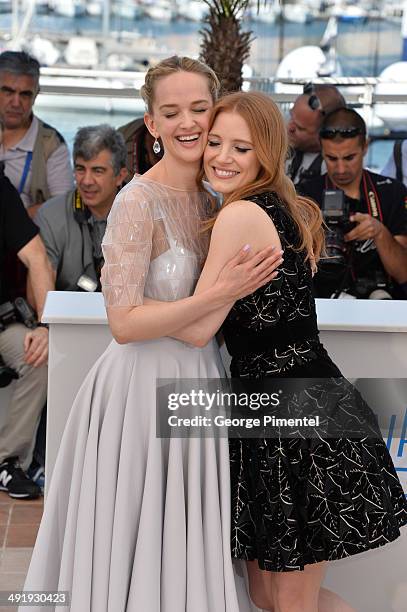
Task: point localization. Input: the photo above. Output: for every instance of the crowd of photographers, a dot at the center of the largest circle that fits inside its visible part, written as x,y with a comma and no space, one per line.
52,221
365,213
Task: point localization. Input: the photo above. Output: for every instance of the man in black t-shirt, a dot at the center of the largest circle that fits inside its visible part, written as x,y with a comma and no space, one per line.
23,350
373,260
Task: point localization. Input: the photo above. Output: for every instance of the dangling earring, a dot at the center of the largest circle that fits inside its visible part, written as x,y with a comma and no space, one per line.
156,147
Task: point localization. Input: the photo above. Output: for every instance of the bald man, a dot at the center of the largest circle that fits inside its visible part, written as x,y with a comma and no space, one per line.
306,117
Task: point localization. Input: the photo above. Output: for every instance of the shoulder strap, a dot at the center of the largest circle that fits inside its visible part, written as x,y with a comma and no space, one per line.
294,164
313,170
316,165
47,141
398,159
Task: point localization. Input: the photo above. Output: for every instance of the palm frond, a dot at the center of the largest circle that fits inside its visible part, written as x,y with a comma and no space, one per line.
225,45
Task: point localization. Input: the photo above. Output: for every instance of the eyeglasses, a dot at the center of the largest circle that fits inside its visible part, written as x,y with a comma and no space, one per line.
313,101
329,133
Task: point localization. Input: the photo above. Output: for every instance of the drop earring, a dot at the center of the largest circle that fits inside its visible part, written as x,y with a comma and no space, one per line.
156,147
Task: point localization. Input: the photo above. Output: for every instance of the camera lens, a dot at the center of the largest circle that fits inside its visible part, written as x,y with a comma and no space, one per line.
335,246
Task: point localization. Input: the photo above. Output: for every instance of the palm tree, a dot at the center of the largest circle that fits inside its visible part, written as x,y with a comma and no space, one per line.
225,46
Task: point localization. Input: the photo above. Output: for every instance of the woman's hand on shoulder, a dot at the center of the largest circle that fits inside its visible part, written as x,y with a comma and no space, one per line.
247,271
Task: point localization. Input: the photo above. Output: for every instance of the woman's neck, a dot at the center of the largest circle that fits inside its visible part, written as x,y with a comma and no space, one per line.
175,174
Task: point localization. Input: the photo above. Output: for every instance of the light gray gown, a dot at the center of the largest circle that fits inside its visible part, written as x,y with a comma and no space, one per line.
134,523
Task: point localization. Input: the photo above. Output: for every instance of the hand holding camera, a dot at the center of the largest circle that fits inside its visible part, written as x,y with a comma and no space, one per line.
367,227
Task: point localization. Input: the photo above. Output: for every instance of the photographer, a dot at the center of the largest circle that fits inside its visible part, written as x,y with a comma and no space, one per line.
72,225
306,117
23,350
365,213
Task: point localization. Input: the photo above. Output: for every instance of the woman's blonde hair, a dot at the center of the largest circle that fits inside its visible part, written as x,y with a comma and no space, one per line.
269,136
172,65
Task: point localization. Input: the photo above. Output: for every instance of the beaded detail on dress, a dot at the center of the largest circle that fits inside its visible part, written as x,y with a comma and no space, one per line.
153,245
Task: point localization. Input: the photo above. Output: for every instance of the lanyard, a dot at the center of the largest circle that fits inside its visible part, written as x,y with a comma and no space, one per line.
26,170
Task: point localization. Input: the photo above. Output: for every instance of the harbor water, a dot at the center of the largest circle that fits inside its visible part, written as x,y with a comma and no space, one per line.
363,49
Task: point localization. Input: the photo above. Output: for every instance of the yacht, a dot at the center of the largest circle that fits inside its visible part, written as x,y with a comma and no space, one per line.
268,13
126,9
192,11
160,11
350,13
82,52
296,13
68,8
94,8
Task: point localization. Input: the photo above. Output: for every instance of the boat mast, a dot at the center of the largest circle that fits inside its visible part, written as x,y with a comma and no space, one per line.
15,7
106,18
404,32
19,31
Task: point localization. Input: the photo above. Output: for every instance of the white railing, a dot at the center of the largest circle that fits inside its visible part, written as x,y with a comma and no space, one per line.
123,85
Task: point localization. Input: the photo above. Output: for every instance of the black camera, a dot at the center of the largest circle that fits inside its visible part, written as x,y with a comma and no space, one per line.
6,374
373,286
10,312
335,211
19,310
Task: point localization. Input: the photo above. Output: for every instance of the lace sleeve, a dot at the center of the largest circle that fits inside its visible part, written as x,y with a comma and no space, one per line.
127,247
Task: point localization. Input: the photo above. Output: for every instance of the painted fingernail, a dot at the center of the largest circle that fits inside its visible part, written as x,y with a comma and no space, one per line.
246,247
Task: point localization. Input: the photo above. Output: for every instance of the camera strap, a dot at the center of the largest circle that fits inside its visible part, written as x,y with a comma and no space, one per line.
79,211
371,197
81,215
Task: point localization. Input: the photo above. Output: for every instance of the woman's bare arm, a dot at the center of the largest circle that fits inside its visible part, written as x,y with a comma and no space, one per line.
238,222
240,276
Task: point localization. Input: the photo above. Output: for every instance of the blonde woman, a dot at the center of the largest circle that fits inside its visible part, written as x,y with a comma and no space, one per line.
133,522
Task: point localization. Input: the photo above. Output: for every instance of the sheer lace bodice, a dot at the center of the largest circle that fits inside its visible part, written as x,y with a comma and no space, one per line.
153,245
288,298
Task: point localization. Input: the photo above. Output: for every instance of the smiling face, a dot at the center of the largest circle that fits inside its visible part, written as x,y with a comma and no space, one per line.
180,115
230,160
96,181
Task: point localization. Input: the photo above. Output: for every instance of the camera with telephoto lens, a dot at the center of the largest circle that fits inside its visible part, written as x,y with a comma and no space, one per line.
335,211
374,286
10,312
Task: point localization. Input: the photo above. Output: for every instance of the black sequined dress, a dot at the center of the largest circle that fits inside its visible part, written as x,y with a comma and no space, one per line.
299,501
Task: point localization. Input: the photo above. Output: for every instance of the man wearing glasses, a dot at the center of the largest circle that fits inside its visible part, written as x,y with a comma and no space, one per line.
365,214
306,118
